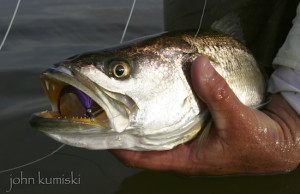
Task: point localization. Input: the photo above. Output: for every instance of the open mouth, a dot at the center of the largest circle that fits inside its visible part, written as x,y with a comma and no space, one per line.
71,104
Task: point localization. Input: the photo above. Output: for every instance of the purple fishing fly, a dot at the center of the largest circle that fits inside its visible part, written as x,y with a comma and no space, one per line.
84,99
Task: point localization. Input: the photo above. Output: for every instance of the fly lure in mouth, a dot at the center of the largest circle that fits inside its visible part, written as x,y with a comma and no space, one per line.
70,103
82,97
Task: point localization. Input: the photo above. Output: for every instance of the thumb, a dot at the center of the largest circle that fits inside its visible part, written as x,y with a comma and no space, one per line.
215,92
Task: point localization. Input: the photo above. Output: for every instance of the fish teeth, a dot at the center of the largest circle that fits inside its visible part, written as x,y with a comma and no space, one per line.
47,85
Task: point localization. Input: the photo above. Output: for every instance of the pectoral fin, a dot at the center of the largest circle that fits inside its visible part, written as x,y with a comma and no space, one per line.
203,136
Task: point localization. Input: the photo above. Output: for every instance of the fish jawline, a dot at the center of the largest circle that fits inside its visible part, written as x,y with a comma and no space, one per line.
97,139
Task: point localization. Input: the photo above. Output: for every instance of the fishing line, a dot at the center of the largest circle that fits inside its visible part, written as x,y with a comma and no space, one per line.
196,34
128,20
10,24
200,23
35,161
60,147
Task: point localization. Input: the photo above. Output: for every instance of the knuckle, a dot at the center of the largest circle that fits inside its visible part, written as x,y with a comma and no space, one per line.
129,163
220,91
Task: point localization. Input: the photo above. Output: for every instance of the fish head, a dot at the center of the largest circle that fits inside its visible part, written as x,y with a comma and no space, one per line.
135,96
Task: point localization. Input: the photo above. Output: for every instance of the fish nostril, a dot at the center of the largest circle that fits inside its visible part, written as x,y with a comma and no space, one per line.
60,67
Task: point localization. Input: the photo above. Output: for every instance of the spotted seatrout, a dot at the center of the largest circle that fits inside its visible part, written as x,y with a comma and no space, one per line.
138,95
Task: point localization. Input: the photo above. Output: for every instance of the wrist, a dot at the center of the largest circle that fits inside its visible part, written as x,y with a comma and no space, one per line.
289,122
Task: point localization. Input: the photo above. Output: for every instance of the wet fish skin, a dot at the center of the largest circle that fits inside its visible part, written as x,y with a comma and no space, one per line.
154,107
228,56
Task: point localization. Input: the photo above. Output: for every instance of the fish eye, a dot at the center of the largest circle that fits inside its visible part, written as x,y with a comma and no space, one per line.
119,69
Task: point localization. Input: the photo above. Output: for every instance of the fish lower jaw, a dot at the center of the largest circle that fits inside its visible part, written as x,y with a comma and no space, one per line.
100,120
56,115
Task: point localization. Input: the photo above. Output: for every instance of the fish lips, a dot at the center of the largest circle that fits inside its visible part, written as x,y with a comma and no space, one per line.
59,125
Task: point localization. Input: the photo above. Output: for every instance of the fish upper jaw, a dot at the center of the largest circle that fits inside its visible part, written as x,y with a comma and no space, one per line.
72,97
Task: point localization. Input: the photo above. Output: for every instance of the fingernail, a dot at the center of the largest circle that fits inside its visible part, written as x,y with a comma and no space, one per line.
207,70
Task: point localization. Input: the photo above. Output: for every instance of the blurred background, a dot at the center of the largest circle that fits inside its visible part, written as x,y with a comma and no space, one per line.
48,31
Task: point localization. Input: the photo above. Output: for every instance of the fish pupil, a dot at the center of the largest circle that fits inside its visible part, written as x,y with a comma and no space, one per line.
119,70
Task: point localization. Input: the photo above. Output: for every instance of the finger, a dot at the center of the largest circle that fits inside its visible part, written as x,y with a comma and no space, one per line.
155,160
213,90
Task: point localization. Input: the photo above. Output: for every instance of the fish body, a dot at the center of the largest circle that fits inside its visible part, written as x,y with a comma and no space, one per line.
138,95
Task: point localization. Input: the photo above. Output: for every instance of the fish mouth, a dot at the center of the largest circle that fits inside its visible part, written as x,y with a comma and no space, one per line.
67,104
76,107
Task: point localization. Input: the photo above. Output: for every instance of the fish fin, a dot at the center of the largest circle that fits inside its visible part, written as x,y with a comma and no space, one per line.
203,136
260,106
230,24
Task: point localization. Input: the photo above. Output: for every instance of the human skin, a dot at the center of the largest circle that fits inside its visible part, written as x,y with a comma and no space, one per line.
242,140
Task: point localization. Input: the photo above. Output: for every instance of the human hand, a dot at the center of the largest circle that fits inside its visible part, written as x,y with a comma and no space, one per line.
241,140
